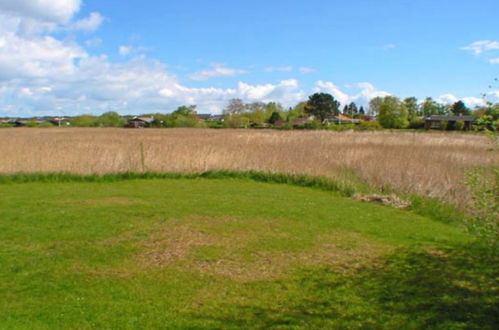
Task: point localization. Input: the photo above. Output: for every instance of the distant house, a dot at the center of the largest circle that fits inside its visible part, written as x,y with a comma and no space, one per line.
341,119
435,121
210,117
59,121
140,122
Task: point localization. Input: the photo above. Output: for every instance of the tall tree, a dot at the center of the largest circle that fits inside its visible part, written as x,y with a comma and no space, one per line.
411,104
362,111
352,109
185,110
235,106
374,105
392,113
459,108
322,105
274,117
430,107
345,109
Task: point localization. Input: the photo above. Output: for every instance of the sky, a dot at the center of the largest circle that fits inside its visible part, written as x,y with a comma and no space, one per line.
68,57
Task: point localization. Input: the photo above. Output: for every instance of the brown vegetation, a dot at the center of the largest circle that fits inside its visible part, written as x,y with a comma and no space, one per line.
236,248
430,164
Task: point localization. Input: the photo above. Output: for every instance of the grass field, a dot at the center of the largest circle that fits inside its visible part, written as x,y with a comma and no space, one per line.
231,253
427,164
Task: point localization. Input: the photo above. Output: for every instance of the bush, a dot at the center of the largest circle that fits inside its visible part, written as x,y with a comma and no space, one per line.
444,124
416,123
314,124
340,127
484,222
369,126
46,124
459,126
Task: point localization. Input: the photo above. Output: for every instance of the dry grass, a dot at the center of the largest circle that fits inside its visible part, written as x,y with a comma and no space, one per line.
238,248
429,164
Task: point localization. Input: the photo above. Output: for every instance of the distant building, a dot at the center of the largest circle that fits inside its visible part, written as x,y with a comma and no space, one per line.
140,122
210,117
341,119
60,121
435,121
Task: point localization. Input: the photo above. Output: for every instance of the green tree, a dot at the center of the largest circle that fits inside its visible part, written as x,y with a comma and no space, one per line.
111,119
322,105
362,111
185,110
352,109
274,117
459,108
84,121
430,107
392,113
374,105
411,104
345,110
298,111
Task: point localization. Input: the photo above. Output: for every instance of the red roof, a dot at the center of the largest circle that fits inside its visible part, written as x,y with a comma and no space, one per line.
344,118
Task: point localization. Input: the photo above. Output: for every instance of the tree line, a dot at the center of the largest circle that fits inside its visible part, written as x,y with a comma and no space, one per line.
319,111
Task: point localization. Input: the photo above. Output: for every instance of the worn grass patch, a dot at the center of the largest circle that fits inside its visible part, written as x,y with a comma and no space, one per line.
252,250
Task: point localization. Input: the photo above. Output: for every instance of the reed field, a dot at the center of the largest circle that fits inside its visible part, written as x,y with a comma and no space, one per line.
427,164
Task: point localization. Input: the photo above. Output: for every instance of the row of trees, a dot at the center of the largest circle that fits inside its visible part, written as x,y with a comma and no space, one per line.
389,111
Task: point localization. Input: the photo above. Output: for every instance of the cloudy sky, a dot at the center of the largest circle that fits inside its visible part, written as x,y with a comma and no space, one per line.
90,56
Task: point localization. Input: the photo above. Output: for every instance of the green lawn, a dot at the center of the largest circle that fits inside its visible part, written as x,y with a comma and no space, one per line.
228,253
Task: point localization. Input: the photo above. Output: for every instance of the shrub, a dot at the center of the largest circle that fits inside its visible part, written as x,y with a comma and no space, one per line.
459,126
416,123
444,124
369,126
484,222
340,127
46,124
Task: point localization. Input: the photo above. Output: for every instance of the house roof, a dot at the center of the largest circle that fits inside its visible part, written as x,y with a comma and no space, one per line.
449,118
144,119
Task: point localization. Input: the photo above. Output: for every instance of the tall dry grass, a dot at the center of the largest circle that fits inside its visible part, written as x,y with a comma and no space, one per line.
429,164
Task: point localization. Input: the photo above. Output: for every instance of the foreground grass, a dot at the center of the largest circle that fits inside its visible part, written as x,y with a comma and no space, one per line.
183,252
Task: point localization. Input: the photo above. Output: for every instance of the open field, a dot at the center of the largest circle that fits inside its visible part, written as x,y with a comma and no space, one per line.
428,164
231,253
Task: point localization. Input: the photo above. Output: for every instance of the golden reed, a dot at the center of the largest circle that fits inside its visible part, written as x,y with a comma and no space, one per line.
429,164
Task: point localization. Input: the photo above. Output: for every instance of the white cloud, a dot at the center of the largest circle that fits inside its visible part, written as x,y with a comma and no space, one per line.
329,87
124,50
494,60
94,42
365,92
279,68
306,70
129,50
447,99
216,70
388,46
473,102
56,11
88,24
470,101
481,46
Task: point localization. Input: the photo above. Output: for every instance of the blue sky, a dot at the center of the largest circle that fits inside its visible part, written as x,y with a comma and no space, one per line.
91,56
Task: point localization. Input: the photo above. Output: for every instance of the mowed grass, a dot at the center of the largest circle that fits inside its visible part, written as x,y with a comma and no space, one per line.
231,253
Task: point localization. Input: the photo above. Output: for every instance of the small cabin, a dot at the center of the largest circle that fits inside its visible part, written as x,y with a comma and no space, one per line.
435,121
140,122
